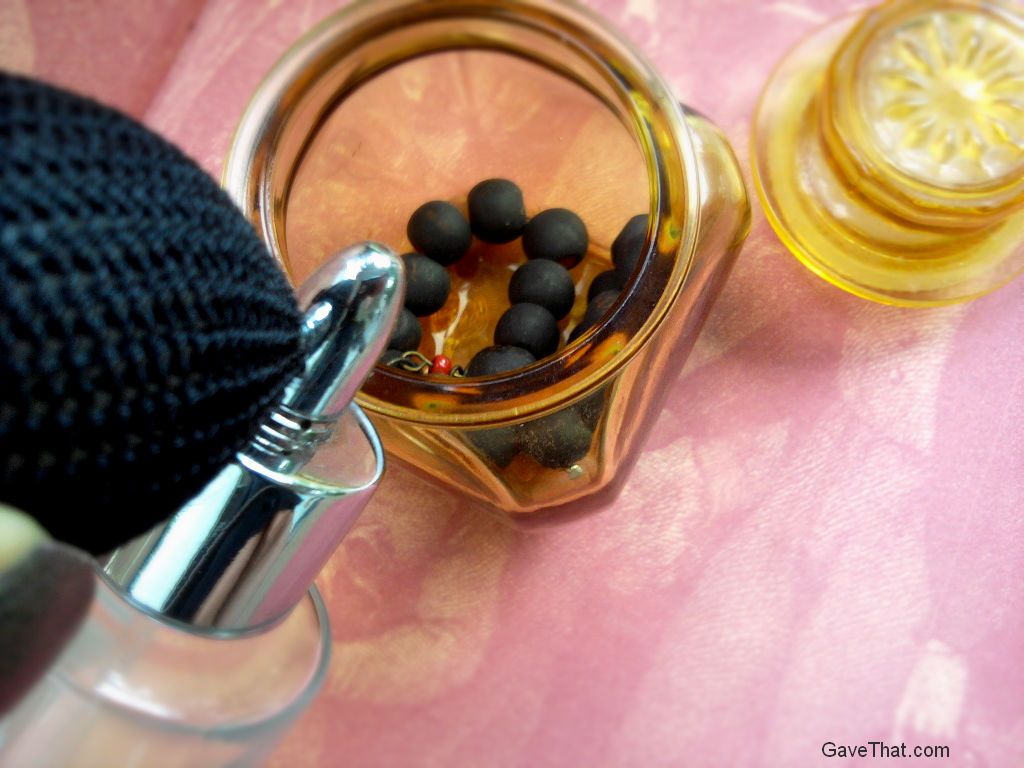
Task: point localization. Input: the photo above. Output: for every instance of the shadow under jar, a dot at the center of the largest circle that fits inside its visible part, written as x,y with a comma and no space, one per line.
391,103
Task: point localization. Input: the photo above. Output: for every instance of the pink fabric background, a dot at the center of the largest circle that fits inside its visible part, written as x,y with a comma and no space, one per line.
823,541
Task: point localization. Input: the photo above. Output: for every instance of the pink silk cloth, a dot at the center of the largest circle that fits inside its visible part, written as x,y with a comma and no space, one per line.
823,541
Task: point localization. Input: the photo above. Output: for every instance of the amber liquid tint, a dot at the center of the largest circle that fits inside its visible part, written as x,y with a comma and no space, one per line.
432,127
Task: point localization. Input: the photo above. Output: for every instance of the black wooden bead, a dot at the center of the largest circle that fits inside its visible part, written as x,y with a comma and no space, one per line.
498,359
557,441
390,356
407,333
439,231
635,229
596,309
598,306
427,284
543,282
606,281
591,408
530,327
628,247
500,444
556,234
496,211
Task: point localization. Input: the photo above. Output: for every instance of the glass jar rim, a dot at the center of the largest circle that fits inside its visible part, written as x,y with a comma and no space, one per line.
305,85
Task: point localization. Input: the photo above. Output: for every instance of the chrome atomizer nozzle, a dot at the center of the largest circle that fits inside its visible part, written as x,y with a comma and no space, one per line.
245,550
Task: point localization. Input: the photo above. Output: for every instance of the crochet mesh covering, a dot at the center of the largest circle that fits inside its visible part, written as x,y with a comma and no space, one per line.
144,329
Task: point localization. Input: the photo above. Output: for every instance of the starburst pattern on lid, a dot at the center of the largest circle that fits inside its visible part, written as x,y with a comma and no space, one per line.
943,96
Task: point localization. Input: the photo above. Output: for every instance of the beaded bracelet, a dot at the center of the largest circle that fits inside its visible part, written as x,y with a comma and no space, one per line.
541,291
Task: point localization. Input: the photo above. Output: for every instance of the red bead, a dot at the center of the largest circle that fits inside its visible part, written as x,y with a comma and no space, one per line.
441,364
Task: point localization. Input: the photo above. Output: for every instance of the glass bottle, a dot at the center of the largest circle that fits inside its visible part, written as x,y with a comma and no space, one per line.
137,692
206,637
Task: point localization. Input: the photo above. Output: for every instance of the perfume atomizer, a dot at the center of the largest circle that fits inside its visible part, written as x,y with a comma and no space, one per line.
243,552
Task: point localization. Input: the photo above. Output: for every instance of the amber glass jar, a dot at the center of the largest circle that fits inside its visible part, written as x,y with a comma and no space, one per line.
391,103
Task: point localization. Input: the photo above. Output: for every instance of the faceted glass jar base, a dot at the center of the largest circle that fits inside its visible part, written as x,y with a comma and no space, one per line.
889,147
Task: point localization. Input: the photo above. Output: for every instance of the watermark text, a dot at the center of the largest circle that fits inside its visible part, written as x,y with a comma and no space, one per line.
881,749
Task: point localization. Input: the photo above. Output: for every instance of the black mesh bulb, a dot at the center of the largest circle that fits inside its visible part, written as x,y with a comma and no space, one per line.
144,329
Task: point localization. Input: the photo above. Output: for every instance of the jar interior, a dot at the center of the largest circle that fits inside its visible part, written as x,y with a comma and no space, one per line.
390,103
431,127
